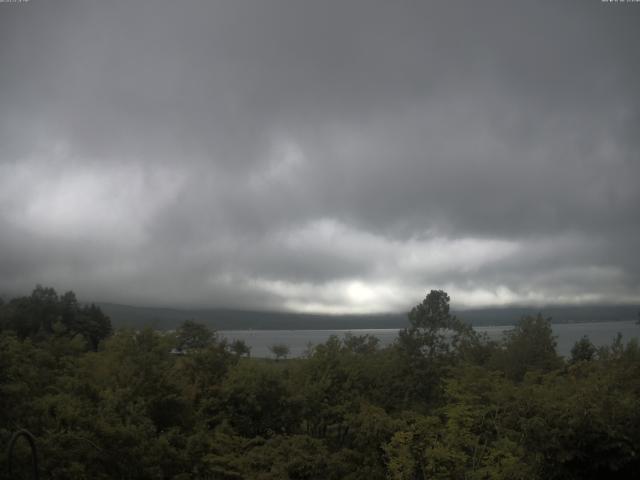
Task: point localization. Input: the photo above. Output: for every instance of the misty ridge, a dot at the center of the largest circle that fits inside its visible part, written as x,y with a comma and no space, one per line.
319,240
230,319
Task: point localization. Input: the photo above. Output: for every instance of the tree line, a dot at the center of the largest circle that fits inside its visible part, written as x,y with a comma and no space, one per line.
441,402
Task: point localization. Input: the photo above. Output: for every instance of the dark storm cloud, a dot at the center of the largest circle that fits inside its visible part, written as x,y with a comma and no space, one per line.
331,156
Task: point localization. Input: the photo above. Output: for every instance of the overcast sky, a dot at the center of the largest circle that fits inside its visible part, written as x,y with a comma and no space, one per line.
325,156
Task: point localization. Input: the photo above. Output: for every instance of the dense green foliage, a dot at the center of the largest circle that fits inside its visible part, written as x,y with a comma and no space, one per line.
440,403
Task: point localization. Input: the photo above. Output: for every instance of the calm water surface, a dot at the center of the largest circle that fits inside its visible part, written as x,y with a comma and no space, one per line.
298,340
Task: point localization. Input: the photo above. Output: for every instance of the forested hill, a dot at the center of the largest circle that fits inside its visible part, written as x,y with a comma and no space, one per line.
228,319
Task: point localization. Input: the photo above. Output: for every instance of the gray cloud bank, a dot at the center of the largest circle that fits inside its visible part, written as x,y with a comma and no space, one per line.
327,156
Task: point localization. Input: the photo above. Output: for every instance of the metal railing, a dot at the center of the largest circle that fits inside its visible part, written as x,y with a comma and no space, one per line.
34,451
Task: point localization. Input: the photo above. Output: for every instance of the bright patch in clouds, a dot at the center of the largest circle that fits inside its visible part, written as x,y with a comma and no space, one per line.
336,297
401,274
76,200
427,253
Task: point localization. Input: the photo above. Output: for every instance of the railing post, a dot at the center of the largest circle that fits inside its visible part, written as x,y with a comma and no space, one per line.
34,452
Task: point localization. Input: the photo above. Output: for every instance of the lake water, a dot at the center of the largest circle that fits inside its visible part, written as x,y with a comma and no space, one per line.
566,334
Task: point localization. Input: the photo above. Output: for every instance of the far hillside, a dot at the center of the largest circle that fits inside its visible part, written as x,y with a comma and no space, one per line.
229,319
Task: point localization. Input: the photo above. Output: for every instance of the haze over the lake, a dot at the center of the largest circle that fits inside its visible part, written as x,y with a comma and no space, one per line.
325,156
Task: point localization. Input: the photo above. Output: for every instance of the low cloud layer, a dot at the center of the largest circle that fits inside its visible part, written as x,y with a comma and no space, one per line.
335,156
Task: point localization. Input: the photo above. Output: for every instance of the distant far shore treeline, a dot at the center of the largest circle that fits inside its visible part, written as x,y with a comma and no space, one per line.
161,318
229,319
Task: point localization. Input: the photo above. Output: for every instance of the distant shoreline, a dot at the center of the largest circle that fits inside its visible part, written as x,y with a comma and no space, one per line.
566,334
229,319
